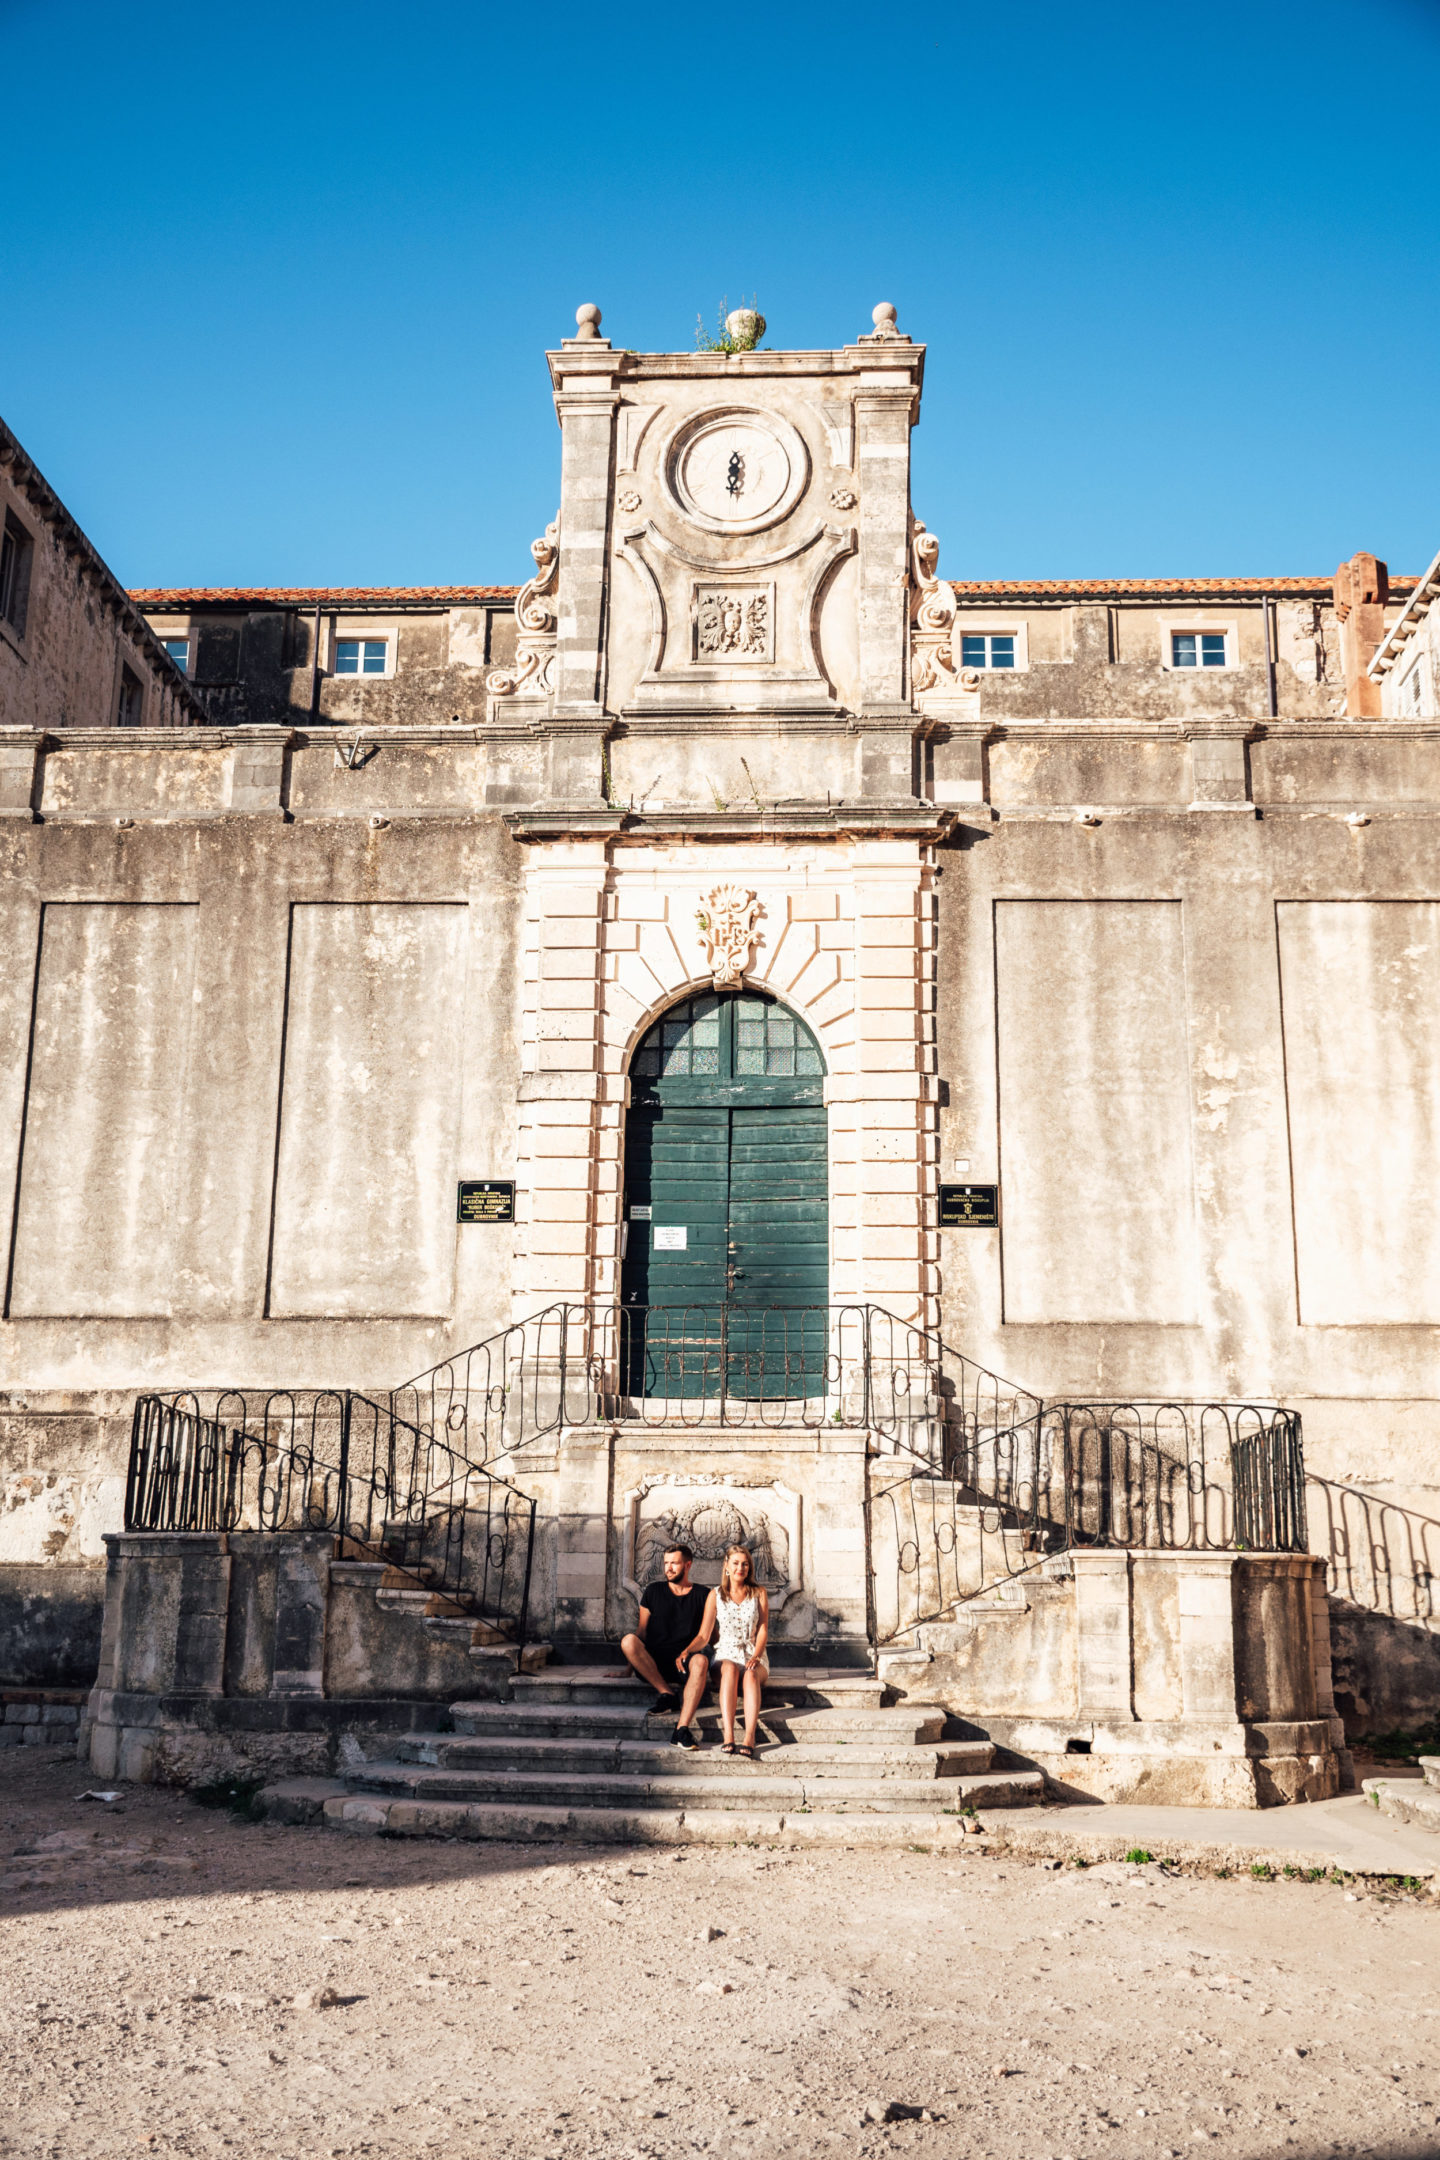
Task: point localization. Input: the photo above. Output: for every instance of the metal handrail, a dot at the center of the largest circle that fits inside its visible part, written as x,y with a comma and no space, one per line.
990,1479
847,1365
1141,1476
334,1460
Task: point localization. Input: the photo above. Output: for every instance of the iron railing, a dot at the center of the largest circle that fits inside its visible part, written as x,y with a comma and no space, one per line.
333,1460
1150,1476
855,1366
990,1480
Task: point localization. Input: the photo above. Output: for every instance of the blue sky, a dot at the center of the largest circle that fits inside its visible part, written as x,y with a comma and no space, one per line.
277,280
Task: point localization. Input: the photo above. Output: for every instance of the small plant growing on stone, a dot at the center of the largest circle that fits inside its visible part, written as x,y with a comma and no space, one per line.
1138,1857
729,335
1262,1871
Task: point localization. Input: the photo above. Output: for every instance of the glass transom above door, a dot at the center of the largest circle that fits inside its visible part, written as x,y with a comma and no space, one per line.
737,471
713,1039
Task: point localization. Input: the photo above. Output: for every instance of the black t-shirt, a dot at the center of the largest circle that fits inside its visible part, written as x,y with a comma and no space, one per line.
674,1621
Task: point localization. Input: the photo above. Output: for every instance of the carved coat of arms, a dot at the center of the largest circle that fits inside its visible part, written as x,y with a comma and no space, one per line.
732,622
727,919
709,1525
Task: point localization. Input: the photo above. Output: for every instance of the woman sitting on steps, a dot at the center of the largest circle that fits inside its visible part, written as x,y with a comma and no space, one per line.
740,1610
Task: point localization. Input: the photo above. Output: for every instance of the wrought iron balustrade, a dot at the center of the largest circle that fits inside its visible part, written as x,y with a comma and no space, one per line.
1147,1476
989,1479
333,1460
853,1366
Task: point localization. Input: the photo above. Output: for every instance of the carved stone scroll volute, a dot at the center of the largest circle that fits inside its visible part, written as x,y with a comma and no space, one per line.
532,671
932,619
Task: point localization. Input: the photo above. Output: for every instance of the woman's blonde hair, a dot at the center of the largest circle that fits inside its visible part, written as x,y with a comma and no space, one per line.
734,1552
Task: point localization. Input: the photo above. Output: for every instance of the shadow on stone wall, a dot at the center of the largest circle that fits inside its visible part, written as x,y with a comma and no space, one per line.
1384,1606
50,1625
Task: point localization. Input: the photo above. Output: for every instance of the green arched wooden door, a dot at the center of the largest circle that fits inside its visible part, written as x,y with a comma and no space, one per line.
727,1251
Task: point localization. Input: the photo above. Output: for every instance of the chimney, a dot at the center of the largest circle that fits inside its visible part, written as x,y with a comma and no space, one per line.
1362,587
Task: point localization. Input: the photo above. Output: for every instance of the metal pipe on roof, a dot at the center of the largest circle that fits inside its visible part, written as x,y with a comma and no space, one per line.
1267,617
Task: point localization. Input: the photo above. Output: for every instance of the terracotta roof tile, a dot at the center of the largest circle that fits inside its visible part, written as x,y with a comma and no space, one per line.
1303,588
164,598
167,598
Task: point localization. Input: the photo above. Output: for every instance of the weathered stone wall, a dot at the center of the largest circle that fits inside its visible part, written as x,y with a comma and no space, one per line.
61,664
1110,660
1179,1678
62,1486
1201,1055
260,663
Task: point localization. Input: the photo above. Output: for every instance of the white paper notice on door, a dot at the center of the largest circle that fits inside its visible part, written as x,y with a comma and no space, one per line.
670,1237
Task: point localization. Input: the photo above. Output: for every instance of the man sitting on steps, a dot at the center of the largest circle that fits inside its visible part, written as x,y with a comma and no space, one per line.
667,1648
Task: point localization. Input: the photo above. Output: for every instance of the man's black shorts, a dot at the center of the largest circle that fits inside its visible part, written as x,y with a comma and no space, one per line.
665,1655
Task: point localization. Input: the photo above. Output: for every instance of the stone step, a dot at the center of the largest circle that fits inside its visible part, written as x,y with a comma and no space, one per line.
617,1684
559,1721
1430,1770
909,1724
956,1758
325,1803
756,1787
1408,1800
904,1726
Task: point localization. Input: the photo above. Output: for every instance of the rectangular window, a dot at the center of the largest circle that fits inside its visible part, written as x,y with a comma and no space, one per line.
127,712
984,649
179,651
16,550
1197,648
360,656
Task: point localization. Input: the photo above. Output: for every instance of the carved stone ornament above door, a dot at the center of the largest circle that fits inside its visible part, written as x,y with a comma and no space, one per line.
736,471
727,918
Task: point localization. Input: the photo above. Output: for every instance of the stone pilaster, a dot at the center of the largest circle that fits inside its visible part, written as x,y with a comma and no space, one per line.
586,399
560,1091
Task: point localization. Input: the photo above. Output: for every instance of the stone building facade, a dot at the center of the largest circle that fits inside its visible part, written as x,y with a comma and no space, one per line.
75,649
1103,896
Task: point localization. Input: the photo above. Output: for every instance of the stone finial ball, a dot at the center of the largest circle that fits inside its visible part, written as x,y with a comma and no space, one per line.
587,320
884,317
745,326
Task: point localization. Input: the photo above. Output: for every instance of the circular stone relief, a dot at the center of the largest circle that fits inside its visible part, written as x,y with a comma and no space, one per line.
737,471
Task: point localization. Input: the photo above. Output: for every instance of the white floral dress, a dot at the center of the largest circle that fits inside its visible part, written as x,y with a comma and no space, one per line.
735,1631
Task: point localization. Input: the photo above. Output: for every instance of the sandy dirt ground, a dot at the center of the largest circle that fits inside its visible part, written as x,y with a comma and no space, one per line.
174,1981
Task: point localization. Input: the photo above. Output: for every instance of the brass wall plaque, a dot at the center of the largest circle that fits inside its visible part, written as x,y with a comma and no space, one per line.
485,1200
969,1207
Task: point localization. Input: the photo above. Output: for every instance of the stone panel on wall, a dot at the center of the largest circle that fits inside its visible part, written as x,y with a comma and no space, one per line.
1095,1111
105,1111
364,1222
1360,985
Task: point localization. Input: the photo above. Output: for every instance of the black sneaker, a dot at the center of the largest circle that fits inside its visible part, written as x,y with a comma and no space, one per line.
683,1737
669,1704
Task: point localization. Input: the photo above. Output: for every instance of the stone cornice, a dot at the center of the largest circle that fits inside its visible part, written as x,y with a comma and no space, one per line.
910,820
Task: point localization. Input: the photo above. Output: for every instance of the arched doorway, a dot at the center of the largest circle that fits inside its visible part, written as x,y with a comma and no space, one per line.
726,1204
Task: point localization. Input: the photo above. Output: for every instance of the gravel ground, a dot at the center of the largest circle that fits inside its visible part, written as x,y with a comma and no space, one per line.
175,1981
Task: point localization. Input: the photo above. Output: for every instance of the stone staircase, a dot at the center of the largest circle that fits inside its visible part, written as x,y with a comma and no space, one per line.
1409,1800
578,1753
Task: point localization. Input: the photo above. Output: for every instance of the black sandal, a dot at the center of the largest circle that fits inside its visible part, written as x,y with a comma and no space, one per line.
746,1750
727,1747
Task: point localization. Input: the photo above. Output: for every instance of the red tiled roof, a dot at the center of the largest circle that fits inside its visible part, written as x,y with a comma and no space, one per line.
1076,588
165,598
